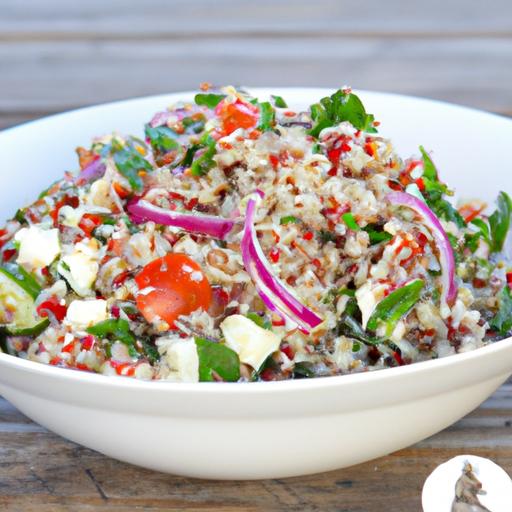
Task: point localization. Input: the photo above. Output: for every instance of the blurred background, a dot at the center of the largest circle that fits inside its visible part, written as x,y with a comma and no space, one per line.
59,54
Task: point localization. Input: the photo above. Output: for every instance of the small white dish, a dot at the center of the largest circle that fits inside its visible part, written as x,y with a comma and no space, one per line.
268,429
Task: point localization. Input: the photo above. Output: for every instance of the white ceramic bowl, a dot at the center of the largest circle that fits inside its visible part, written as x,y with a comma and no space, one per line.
269,429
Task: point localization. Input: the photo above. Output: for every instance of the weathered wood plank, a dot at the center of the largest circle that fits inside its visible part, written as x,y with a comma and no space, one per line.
48,76
31,19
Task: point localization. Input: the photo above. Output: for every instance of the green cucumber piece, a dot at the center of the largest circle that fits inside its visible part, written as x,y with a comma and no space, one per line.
17,309
22,278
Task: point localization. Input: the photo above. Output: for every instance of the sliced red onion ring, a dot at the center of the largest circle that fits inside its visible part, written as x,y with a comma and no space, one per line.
446,258
143,211
271,289
93,171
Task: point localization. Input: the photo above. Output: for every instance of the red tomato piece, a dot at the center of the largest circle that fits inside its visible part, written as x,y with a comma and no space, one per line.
237,115
171,286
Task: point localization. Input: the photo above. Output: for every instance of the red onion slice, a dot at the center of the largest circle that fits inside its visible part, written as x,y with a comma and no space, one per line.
271,289
142,211
446,257
93,171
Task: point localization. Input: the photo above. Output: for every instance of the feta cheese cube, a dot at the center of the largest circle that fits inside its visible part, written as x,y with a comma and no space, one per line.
252,343
80,268
38,247
82,314
182,360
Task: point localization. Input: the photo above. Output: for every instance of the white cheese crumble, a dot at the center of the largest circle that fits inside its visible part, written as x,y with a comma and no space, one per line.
84,313
180,356
252,343
38,247
80,268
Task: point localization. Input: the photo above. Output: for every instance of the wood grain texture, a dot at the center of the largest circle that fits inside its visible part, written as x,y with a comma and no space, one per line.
40,471
59,54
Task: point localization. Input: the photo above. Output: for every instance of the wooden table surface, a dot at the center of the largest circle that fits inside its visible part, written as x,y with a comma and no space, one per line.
57,55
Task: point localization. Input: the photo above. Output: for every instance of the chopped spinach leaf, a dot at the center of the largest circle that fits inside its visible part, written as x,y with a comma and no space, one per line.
377,234
396,305
217,358
162,138
350,221
502,322
267,117
288,219
130,163
499,221
339,107
302,370
209,100
202,164
260,321
115,329
279,102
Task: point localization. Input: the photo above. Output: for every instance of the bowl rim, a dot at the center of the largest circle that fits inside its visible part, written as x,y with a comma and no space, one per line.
315,383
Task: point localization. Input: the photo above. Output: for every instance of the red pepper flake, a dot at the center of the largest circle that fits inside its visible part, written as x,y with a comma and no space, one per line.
420,183
191,203
398,358
274,254
267,374
277,321
56,361
120,279
52,305
89,341
82,367
316,262
276,237
89,222
370,149
8,254
333,171
393,185
289,113
274,161
509,279
308,235
479,283
69,347
287,350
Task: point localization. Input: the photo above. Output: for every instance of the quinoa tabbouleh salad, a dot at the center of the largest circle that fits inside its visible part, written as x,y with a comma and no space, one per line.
244,241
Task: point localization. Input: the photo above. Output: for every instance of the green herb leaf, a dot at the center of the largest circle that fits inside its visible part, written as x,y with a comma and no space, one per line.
162,138
267,117
150,350
502,322
350,221
288,219
22,278
279,102
215,357
260,321
205,162
129,163
377,234
341,106
209,100
325,236
396,305
115,329
435,190
499,221
302,370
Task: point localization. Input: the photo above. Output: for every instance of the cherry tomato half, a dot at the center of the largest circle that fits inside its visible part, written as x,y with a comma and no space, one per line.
237,115
172,286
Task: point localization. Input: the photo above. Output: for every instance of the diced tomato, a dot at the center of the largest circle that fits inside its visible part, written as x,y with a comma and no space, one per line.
287,350
120,190
238,114
471,211
126,369
120,279
8,254
88,342
176,286
308,235
54,306
274,161
69,347
191,203
89,222
72,201
509,279
274,254
479,283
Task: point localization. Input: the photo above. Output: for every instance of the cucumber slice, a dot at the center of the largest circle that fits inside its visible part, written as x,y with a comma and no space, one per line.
17,309
22,278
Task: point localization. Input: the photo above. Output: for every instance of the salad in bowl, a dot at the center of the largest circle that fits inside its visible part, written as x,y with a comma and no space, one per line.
243,240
